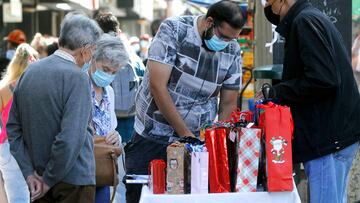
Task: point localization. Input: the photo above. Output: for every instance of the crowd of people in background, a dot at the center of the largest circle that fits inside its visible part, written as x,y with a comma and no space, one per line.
46,44
115,63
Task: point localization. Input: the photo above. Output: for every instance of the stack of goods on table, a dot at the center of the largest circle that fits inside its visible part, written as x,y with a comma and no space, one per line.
233,156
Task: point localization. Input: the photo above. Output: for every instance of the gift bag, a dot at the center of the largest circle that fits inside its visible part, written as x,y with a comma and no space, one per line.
242,116
157,176
215,140
199,172
232,143
248,159
178,170
278,127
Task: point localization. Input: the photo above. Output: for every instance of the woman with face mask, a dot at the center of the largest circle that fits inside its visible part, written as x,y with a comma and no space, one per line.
108,57
14,183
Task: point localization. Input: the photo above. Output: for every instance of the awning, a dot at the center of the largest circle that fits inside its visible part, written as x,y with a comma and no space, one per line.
56,5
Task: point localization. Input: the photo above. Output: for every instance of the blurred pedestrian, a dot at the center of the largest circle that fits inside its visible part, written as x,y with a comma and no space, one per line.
355,56
39,44
48,126
155,25
354,176
51,48
15,186
145,40
319,87
13,40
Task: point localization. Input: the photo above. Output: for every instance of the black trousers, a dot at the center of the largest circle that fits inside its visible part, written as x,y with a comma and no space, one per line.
139,153
67,193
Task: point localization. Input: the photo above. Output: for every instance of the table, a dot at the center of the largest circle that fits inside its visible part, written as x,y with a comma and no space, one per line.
253,197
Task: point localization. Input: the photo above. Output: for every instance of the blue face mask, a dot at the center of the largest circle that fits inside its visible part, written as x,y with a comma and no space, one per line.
10,54
216,44
102,79
85,67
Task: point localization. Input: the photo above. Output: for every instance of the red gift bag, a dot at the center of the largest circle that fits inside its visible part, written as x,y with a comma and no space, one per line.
242,116
278,127
157,176
215,140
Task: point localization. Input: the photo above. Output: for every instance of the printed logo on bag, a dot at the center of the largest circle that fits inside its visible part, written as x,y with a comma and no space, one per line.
278,149
173,164
169,186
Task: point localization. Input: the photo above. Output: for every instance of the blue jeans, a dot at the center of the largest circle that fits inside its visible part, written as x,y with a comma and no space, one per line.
102,194
125,127
15,186
328,175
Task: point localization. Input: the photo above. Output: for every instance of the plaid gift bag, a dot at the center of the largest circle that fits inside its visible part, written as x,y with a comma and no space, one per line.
249,152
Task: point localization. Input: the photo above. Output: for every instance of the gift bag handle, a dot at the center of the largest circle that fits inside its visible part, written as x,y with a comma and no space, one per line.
268,91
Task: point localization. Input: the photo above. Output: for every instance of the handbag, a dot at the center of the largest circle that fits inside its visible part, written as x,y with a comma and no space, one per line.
106,156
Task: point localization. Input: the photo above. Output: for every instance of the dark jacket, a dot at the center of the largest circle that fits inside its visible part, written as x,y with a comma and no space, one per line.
318,84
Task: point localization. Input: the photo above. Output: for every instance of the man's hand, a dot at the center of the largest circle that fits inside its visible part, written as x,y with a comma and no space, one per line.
259,96
189,135
35,187
45,187
113,138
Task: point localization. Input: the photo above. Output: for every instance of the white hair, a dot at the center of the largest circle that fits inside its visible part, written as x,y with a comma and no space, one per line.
110,48
78,31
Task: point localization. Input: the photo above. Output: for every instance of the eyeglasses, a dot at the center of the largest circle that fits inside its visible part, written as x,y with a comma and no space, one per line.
222,36
268,1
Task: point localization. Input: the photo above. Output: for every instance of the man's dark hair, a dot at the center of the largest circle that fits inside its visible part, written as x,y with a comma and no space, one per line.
51,48
14,44
107,21
155,26
226,11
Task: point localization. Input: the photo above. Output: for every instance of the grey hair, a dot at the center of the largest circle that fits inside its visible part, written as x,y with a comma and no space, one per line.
111,49
78,31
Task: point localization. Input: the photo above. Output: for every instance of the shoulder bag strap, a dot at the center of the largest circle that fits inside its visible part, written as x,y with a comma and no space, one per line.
115,170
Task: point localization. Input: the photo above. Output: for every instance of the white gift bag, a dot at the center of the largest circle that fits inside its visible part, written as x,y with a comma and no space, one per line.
199,172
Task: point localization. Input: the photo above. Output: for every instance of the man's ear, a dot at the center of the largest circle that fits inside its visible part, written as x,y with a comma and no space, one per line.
209,22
